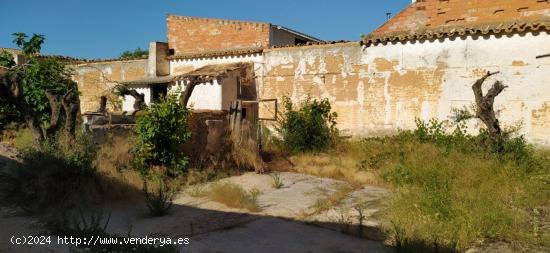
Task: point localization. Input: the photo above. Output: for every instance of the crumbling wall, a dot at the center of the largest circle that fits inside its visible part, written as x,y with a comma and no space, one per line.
96,79
380,89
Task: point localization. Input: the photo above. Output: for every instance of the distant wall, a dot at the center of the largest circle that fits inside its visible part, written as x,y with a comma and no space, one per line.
97,79
382,88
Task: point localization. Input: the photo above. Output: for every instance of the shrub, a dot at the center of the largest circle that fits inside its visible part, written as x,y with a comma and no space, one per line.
399,175
312,127
159,132
54,175
158,202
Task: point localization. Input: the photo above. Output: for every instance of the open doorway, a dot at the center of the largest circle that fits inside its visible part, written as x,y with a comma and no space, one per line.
158,91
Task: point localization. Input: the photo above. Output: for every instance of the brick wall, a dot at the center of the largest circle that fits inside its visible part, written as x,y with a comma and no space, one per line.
195,35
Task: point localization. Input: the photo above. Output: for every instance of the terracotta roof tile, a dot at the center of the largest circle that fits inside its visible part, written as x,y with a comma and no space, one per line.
441,18
218,53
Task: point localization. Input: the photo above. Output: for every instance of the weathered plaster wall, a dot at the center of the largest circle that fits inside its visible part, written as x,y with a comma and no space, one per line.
382,88
97,79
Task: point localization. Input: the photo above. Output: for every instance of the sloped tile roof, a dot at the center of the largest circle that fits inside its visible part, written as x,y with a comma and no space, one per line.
207,72
218,53
443,18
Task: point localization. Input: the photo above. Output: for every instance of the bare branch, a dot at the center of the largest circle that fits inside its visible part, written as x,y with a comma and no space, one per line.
484,104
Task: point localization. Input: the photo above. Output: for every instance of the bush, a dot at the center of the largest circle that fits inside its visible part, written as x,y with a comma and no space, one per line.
158,202
310,128
55,175
160,131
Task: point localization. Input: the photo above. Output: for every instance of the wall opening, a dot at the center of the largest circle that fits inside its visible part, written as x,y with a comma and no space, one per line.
158,91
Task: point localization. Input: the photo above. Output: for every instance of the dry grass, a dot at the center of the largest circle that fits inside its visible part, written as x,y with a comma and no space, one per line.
114,163
244,149
233,195
332,200
456,196
23,139
342,163
277,182
447,196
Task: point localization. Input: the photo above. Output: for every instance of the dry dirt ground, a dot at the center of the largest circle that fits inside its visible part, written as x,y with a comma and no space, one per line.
286,222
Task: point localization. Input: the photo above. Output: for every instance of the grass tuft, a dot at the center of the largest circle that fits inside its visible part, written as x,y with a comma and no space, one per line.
233,195
276,182
332,200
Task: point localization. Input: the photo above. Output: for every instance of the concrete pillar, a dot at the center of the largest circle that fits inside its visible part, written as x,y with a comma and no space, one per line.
158,64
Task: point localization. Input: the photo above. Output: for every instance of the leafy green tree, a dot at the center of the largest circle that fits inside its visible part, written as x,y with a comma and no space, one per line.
312,127
41,90
136,54
161,129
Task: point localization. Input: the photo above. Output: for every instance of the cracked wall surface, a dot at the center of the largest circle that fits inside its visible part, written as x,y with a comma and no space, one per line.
98,79
380,89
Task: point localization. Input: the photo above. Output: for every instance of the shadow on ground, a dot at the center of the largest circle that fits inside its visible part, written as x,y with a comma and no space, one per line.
211,230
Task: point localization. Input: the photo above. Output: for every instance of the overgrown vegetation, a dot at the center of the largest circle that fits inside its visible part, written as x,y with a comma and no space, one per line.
463,189
138,53
451,190
160,131
56,175
309,128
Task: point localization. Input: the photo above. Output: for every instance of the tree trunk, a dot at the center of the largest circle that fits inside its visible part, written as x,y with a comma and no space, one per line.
11,89
184,97
485,105
55,105
71,105
139,100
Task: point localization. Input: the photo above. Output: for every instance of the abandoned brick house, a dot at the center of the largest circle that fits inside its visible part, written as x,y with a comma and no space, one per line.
419,64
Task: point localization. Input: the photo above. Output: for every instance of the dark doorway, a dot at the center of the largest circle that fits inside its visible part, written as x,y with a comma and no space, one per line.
158,91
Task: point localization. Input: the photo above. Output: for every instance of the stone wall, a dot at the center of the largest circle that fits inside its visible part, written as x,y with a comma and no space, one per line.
382,88
196,35
97,79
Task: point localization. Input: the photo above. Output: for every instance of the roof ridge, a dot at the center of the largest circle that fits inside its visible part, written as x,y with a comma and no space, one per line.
461,30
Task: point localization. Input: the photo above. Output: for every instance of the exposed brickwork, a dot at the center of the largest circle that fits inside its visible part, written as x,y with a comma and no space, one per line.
438,14
195,35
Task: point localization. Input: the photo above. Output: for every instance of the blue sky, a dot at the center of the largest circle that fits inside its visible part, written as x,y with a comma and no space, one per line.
105,28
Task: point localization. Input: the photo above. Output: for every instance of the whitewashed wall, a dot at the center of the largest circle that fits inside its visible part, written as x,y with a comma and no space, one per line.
380,89
128,102
526,102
